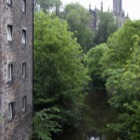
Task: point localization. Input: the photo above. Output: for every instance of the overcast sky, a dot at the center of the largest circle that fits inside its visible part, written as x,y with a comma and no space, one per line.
132,7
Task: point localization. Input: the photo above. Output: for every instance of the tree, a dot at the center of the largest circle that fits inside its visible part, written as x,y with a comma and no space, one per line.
79,20
48,5
122,69
106,27
45,123
127,99
60,77
94,66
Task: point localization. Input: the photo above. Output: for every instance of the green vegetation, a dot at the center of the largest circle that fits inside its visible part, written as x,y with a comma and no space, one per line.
46,122
123,79
79,19
106,27
60,76
117,64
94,66
70,60
48,6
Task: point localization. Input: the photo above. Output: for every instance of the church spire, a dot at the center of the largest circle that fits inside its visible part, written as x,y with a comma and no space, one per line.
102,6
117,5
90,6
108,9
127,16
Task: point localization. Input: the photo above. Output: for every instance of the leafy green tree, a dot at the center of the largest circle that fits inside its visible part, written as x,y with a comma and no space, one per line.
106,27
122,69
45,123
79,20
60,77
48,5
94,66
126,98
120,46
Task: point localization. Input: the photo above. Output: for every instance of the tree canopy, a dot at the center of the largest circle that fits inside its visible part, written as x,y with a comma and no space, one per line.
117,63
94,66
79,20
48,5
62,71
60,76
106,26
121,64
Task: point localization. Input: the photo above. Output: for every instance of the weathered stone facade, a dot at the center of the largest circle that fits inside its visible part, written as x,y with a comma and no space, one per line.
16,70
118,13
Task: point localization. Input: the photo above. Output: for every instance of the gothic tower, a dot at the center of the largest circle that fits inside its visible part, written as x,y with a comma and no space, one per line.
118,12
101,6
117,6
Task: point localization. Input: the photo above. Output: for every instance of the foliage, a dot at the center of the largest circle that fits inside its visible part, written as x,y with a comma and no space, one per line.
60,77
93,59
120,46
45,122
48,5
79,20
106,26
128,127
94,66
122,72
118,64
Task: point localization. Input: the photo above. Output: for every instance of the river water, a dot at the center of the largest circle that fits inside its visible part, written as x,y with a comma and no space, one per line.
96,117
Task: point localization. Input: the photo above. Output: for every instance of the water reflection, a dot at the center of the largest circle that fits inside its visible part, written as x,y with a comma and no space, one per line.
93,138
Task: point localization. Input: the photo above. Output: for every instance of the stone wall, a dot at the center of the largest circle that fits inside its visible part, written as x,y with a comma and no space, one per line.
19,126
1,122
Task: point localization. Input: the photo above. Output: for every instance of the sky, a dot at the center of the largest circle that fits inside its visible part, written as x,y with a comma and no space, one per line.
131,7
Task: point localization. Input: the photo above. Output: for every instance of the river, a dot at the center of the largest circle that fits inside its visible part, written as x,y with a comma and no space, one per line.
96,116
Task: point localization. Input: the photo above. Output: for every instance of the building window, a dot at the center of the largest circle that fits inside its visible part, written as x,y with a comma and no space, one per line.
10,110
9,32
9,2
23,39
10,72
23,5
24,70
24,103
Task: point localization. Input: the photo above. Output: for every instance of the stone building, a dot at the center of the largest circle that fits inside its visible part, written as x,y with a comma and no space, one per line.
118,13
16,70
